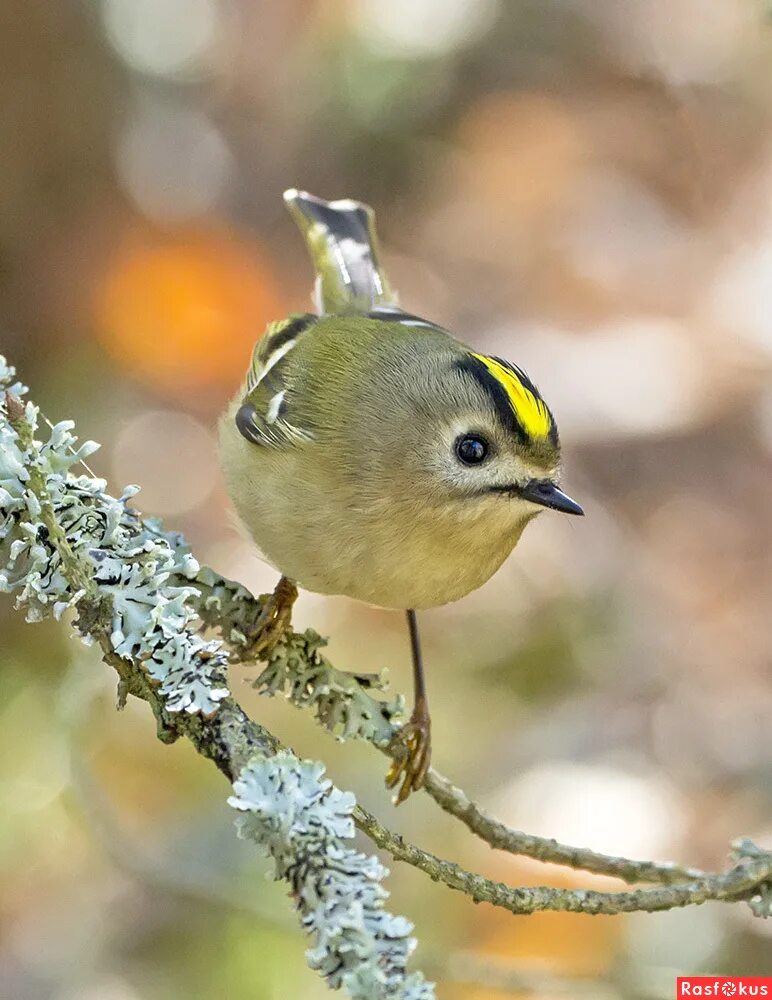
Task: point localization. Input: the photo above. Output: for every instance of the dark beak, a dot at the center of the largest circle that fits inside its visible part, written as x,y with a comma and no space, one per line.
546,493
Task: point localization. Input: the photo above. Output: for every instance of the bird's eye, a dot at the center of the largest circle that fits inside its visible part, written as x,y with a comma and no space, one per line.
471,449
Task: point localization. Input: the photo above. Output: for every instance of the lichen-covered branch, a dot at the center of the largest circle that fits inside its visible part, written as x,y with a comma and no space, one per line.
344,703
64,542
748,879
455,801
305,822
139,593
677,885
347,704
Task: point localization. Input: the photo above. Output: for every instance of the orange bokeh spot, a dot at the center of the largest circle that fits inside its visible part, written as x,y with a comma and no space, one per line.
182,313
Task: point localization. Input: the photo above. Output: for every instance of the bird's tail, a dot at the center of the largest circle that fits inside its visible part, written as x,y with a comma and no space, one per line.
343,244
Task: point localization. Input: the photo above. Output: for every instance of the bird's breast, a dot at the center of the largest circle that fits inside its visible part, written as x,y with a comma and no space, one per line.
409,561
391,552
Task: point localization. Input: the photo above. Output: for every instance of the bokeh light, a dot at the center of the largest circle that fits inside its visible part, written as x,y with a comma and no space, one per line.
183,313
638,816
172,162
742,295
424,27
163,37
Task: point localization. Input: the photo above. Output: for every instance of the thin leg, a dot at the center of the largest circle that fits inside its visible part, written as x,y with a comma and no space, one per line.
274,620
419,682
412,745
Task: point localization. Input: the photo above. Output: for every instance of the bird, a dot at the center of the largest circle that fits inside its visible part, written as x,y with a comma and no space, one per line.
371,453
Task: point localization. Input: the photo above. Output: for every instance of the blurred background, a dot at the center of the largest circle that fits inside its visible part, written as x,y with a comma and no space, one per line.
583,186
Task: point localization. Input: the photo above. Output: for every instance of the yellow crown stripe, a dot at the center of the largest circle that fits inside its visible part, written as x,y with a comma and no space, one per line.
531,412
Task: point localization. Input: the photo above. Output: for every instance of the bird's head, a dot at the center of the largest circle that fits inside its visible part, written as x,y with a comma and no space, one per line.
489,443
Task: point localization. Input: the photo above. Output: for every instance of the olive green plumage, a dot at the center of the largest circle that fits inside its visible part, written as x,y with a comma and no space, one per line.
342,451
372,454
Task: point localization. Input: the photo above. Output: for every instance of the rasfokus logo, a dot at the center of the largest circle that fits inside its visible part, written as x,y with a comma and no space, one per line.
724,986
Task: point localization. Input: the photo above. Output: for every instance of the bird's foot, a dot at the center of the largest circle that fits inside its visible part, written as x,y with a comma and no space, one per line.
412,749
274,620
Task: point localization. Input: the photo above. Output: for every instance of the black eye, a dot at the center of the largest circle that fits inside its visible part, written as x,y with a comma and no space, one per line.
471,449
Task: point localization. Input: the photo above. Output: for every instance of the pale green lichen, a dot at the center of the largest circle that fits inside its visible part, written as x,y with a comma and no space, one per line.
306,823
347,704
151,597
137,571
341,701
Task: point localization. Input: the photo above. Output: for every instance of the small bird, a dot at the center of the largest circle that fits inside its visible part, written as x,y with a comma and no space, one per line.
370,453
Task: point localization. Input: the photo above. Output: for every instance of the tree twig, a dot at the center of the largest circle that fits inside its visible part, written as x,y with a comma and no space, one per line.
300,672
455,801
740,882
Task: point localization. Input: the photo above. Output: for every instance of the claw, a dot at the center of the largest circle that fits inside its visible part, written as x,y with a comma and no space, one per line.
274,620
413,752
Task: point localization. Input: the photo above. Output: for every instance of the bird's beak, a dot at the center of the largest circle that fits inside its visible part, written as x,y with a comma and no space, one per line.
546,494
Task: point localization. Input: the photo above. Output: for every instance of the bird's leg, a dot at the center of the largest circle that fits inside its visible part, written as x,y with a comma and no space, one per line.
274,619
412,745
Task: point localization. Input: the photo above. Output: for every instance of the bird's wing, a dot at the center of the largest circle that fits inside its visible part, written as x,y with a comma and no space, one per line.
264,417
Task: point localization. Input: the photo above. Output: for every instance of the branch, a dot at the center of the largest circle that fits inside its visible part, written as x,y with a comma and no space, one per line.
746,880
65,543
345,703
342,702
495,833
298,670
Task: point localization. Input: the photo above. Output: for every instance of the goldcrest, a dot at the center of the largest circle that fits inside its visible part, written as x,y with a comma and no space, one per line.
371,453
